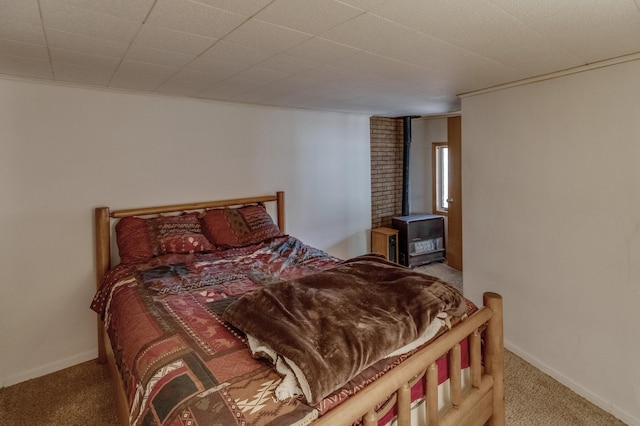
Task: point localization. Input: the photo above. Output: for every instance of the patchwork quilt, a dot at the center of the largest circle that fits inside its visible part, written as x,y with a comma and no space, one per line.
180,363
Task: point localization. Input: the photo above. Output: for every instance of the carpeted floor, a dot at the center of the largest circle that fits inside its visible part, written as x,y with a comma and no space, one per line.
79,395
533,398
83,395
444,272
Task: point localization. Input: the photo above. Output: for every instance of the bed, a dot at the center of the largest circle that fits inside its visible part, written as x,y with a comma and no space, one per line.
180,317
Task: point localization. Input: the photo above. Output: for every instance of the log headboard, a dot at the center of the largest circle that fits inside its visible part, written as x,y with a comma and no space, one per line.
103,216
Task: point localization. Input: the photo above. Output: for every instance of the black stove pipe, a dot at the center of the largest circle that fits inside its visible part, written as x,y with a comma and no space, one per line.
406,157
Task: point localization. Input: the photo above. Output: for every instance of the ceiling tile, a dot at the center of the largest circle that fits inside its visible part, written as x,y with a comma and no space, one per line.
312,17
367,5
188,83
22,31
80,74
201,78
227,89
371,56
388,37
140,76
244,7
23,50
219,68
266,36
241,83
363,61
233,52
157,56
592,30
180,87
316,76
262,74
286,85
26,11
286,63
195,18
13,65
71,19
262,94
85,44
321,50
595,43
133,10
105,63
538,58
173,41
541,14
478,26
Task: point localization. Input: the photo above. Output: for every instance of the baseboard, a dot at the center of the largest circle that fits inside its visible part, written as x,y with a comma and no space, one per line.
580,390
49,368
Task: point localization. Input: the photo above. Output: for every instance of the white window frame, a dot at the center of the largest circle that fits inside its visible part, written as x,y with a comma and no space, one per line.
440,177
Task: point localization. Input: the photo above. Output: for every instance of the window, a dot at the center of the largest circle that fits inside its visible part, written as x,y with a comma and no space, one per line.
440,177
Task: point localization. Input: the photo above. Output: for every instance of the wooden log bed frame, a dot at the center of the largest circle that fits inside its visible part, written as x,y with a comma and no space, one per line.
480,403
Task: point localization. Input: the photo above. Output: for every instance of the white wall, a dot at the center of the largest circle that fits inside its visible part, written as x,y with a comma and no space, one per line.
551,219
424,132
65,150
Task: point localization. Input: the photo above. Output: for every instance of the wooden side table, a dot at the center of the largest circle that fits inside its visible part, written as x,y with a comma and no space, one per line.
385,241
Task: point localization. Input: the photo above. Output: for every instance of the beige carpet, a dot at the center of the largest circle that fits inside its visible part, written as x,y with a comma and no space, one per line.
82,395
444,272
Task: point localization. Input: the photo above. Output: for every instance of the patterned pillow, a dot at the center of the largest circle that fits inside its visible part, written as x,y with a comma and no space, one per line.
239,227
140,239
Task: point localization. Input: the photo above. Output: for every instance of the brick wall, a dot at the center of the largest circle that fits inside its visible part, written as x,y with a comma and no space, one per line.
386,169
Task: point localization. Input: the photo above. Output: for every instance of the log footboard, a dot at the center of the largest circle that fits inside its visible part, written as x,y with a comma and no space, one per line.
483,402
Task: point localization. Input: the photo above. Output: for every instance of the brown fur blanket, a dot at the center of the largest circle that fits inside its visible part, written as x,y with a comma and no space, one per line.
325,328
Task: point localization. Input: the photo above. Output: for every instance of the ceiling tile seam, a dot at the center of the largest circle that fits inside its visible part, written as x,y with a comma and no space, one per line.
148,13
283,53
297,44
350,5
101,56
467,51
637,3
278,80
312,36
17,40
211,46
388,58
46,41
133,39
542,37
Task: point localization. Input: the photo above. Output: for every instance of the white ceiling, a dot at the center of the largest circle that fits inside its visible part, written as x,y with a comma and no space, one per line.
378,57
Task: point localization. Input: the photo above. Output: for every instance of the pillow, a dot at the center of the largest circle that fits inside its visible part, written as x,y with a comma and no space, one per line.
141,239
239,227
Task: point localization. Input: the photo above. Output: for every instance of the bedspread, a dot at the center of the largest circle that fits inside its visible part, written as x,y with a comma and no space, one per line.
181,363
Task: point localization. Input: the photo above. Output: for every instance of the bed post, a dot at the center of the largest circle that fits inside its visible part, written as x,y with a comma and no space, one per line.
103,263
494,353
280,203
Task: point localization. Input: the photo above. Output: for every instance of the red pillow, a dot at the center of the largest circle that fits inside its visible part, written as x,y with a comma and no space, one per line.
141,239
239,227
